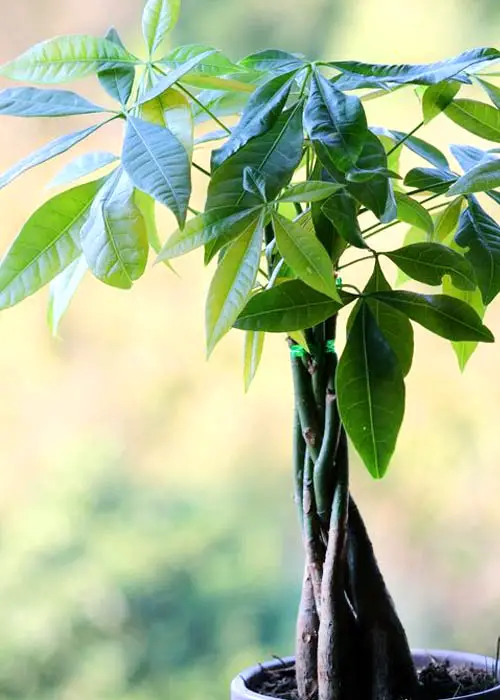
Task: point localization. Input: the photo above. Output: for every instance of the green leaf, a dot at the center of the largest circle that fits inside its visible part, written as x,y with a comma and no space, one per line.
480,234
342,210
224,224
62,290
83,165
157,163
465,349
469,156
290,306
305,255
425,73
173,77
232,284
171,110
447,221
254,344
158,19
310,191
214,82
479,118
376,193
215,64
429,262
370,392
50,150
65,58
395,326
219,103
336,124
255,184
413,213
484,176
491,90
413,235
437,97
272,61
260,114
119,80
274,154
450,318
35,102
48,242
431,179
423,149
114,239
147,207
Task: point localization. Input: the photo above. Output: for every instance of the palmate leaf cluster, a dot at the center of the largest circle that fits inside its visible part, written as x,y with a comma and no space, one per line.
293,188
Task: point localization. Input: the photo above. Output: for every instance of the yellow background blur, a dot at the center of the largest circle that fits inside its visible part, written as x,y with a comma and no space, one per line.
148,539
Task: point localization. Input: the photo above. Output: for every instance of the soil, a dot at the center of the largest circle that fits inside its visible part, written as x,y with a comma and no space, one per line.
438,681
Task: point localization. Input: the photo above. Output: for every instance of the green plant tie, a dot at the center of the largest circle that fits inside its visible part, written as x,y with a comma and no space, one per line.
338,282
330,346
297,351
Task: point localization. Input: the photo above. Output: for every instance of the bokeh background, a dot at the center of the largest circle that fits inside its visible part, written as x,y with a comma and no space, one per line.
148,543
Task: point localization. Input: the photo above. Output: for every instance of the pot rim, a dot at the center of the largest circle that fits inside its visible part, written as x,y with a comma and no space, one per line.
421,657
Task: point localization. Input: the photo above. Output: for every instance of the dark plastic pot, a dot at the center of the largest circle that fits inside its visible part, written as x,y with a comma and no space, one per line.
421,657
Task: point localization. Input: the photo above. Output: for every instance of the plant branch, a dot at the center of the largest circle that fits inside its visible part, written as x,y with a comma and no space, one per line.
201,169
204,108
353,262
406,137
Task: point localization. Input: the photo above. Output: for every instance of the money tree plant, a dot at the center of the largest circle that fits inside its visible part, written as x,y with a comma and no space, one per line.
300,188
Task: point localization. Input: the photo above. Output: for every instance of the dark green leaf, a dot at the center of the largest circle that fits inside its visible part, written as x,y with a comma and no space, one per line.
232,284
48,242
479,118
271,61
65,58
342,210
423,149
36,102
370,392
83,165
50,150
158,19
305,255
260,114
413,235
450,318
437,98
431,179
254,344
336,124
254,184
429,262
119,80
480,234
484,176
311,191
274,154
62,290
468,157
287,307
422,74
413,213
376,194
157,163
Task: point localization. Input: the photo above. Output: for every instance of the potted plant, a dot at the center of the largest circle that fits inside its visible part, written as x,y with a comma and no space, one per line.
299,190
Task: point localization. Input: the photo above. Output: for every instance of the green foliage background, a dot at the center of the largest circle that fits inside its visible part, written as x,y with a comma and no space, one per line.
148,538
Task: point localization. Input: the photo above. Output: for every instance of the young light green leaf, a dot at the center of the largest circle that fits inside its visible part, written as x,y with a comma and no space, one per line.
342,210
437,97
274,154
48,242
484,176
114,238
450,318
480,235
425,73
429,262
83,165
336,124
479,118
491,90
232,284
172,110
305,255
225,224
158,164
65,58
412,212
465,349
370,392
35,102
117,81
310,191
254,345
215,64
158,19
447,221
173,77
215,82
62,290
50,150
290,306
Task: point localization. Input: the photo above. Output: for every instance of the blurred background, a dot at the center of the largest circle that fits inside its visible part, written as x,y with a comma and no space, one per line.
148,541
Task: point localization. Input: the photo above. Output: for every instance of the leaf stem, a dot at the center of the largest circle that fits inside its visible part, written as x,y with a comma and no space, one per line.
201,169
204,108
353,262
406,137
